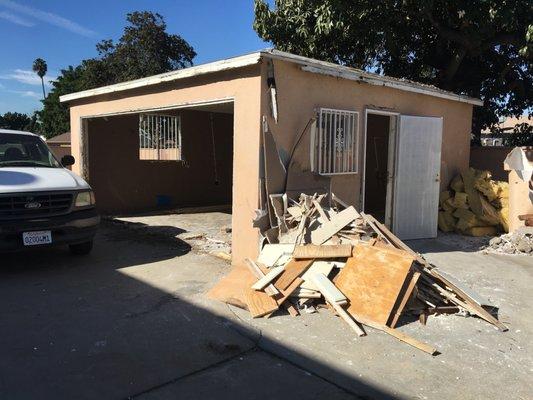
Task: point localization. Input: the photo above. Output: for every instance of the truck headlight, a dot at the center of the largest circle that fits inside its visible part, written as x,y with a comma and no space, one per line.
85,199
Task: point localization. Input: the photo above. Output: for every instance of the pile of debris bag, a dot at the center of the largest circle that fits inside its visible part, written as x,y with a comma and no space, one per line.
475,205
347,261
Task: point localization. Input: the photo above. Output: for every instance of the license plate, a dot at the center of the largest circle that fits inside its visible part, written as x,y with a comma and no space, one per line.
36,238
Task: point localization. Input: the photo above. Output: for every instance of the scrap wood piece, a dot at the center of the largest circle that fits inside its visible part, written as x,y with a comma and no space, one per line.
329,291
255,270
320,210
260,303
285,294
339,201
279,205
306,294
372,281
400,336
268,277
474,308
322,251
318,267
271,253
405,298
330,228
293,269
231,289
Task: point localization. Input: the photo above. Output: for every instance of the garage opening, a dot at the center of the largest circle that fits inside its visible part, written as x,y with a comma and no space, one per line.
379,164
162,160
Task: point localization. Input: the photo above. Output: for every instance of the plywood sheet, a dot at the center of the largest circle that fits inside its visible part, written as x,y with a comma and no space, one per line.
260,303
232,288
372,281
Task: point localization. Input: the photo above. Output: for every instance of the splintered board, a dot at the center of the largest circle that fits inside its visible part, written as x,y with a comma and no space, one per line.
373,279
293,270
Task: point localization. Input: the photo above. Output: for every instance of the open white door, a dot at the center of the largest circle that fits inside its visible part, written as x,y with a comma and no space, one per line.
417,178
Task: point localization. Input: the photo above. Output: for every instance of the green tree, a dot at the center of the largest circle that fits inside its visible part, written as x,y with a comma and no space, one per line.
40,68
144,49
14,120
480,48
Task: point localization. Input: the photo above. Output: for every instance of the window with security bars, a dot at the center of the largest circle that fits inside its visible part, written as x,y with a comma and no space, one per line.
335,142
159,137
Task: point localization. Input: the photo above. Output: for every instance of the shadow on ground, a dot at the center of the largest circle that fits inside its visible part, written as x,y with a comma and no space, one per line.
130,321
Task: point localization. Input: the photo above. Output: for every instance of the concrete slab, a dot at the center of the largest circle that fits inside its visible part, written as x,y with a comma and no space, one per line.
241,379
477,361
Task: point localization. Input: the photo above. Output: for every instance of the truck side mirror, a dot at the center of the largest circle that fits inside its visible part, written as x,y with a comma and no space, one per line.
67,160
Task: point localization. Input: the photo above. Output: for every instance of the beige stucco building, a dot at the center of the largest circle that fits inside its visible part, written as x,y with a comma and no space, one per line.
384,145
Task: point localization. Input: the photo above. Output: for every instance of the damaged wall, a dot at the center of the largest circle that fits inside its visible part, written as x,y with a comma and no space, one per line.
124,183
299,93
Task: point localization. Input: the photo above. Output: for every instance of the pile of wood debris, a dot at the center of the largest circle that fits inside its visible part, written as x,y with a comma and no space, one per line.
348,262
475,205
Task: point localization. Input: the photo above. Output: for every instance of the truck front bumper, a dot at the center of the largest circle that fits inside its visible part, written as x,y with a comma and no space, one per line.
75,227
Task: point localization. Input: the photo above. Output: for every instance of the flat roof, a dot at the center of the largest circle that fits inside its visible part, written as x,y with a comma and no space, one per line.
307,64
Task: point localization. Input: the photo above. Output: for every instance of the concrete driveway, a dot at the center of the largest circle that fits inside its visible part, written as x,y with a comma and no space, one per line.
131,321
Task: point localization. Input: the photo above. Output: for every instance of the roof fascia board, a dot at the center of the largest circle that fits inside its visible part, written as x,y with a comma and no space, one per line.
339,71
217,66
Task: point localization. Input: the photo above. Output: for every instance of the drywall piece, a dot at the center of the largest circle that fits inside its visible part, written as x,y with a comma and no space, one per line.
269,277
517,160
331,294
272,252
318,267
372,281
322,251
275,172
328,289
337,222
260,303
293,270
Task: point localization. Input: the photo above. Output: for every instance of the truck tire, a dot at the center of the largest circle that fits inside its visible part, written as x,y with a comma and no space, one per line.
81,249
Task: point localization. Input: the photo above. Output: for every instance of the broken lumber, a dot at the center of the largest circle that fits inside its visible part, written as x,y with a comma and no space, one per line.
260,303
331,227
268,277
324,251
270,289
293,270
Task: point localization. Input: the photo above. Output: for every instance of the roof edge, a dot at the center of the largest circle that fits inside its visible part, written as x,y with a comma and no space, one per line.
201,69
340,71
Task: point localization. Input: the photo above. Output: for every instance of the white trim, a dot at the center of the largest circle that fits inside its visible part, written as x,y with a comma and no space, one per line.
217,66
176,106
363,179
307,64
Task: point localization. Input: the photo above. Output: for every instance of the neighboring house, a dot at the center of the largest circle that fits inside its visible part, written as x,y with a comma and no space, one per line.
60,145
506,127
237,130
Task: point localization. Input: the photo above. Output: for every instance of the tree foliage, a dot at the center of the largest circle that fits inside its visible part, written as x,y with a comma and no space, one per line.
14,120
145,48
480,48
40,68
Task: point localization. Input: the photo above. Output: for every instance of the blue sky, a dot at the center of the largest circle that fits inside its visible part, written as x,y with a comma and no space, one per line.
65,32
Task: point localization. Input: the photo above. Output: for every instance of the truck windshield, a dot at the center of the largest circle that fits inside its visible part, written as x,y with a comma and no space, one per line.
25,151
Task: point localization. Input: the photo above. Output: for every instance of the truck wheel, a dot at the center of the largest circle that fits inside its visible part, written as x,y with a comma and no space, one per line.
81,249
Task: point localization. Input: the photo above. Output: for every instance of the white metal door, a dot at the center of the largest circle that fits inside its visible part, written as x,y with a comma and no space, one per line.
416,189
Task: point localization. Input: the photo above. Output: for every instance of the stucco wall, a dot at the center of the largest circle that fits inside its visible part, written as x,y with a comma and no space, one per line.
243,86
490,158
299,93
124,183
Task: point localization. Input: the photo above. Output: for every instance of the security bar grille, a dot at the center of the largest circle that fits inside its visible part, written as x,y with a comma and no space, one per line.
335,143
159,137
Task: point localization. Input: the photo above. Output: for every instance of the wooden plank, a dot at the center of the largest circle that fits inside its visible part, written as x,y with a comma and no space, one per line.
328,289
322,251
320,210
260,303
330,228
269,277
372,281
290,290
318,267
306,294
400,336
293,270
406,295
254,269
231,289
473,306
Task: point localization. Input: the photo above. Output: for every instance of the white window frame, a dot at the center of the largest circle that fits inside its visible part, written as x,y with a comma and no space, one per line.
323,143
160,129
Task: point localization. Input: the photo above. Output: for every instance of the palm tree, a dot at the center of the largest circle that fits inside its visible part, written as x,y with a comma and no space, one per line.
40,68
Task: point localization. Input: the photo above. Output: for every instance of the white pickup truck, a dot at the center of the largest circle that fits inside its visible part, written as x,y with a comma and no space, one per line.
41,202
